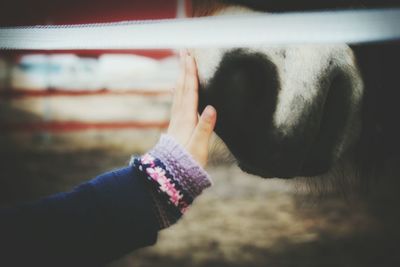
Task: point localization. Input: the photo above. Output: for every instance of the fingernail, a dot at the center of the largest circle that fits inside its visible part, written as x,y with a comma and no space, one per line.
209,112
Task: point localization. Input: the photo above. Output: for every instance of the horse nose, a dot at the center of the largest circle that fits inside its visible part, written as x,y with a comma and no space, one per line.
282,123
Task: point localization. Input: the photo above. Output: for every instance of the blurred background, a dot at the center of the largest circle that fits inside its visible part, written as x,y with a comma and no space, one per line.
67,116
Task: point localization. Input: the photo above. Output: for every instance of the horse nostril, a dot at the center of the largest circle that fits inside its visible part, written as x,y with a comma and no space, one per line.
332,127
244,91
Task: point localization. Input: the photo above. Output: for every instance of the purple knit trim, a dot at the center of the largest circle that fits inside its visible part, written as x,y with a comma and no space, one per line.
190,175
176,179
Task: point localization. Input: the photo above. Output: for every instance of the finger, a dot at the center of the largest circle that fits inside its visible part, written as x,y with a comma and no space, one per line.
190,92
182,55
202,133
183,119
182,69
187,99
206,124
177,97
191,80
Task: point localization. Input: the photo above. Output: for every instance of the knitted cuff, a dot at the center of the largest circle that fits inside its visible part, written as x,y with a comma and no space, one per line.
174,175
192,177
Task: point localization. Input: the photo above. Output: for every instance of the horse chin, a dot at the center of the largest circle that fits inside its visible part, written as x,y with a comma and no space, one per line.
255,171
287,174
266,175
263,173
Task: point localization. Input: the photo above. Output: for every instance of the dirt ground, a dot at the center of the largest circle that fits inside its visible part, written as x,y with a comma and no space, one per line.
240,221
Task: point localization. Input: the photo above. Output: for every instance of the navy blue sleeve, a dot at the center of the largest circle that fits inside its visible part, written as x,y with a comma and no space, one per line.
98,221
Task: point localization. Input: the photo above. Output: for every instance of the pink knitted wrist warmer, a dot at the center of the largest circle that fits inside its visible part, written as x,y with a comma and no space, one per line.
176,179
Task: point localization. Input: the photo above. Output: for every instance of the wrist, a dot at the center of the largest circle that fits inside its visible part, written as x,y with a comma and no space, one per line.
183,167
175,178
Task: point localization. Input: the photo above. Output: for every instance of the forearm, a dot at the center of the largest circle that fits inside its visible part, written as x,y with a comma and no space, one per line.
104,218
96,222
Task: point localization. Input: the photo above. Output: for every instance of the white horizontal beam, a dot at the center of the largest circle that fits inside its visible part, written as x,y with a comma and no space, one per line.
348,26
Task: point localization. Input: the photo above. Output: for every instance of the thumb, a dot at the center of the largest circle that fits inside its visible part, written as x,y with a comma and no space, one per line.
198,144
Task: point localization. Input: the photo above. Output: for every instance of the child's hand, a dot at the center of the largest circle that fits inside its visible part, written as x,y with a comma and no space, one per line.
191,131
